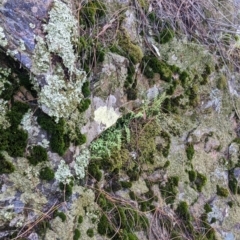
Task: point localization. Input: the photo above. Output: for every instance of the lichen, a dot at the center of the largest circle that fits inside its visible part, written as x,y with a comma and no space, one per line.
63,173
81,163
61,30
3,39
106,116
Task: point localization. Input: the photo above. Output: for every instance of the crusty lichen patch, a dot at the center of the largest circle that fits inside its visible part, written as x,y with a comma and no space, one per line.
106,116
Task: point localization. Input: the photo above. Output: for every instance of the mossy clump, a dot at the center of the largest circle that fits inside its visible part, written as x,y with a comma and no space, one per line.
86,89
184,78
183,211
233,182
77,234
66,188
104,227
151,65
80,219
5,166
166,35
61,215
37,154
192,175
84,105
207,208
169,191
208,230
222,82
7,91
130,50
200,181
126,184
90,232
14,139
91,11
93,170
46,173
59,141
221,191
190,151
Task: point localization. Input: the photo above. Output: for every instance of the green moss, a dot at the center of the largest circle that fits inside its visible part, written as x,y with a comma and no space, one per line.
93,170
192,176
67,188
80,219
5,166
104,228
80,139
222,82
165,36
133,173
183,211
86,89
90,232
38,154
200,181
223,192
184,77
92,10
213,220
7,93
84,105
208,230
61,215
59,141
166,164
207,208
126,184
46,173
134,52
151,65
169,191
100,55
190,151
77,234
131,94
230,204
232,182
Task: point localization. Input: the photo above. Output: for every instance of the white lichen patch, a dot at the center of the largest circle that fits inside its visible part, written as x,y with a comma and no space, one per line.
63,173
61,30
81,163
3,40
106,116
41,57
59,98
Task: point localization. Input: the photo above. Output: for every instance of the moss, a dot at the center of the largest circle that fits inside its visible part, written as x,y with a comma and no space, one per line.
207,208
200,181
104,228
5,166
151,65
77,234
132,51
90,232
230,204
184,77
183,211
208,230
132,94
126,184
100,55
93,170
213,220
46,173
61,215
92,10
80,219
7,93
130,236
38,154
86,89
59,141
165,36
190,151
80,139
192,176
222,82
84,105
223,192
232,182
169,191
133,173
67,188
166,164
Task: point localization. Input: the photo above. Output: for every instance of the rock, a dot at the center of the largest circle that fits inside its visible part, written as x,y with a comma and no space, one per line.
211,144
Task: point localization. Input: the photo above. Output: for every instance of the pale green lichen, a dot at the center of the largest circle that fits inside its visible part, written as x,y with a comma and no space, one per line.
3,40
105,115
61,29
3,109
63,173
